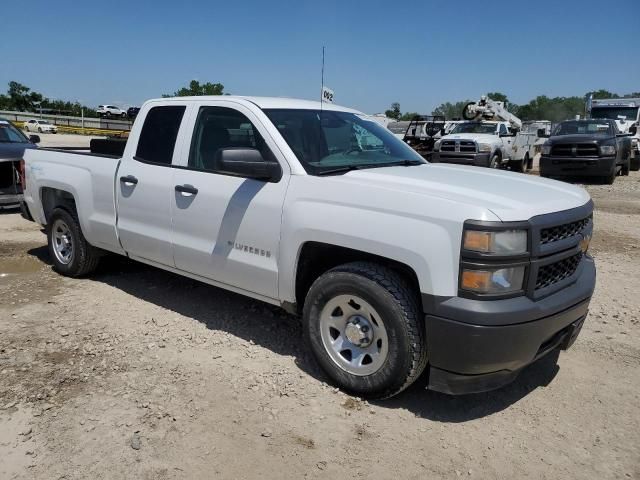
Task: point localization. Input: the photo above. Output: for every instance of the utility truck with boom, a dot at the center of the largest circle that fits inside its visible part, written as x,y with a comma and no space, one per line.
396,266
490,137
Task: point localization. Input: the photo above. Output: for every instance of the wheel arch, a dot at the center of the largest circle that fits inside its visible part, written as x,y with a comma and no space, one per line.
316,258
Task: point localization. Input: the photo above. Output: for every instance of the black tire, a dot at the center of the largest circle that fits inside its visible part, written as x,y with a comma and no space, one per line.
123,115
518,165
39,130
396,305
108,114
634,163
84,258
529,163
626,166
609,179
494,162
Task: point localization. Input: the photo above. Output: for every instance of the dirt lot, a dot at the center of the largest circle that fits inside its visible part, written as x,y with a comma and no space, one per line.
138,373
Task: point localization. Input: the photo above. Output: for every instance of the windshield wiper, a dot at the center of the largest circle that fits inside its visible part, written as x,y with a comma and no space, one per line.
363,166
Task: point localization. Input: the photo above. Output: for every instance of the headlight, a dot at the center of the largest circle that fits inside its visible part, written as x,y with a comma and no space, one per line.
484,148
436,146
607,150
493,281
504,242
546,149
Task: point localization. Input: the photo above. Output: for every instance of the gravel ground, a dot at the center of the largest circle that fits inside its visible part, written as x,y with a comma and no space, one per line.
139,373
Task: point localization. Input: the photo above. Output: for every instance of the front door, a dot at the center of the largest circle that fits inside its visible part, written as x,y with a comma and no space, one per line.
144,187
227,228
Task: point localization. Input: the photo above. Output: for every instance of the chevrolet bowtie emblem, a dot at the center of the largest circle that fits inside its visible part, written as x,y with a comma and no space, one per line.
584,243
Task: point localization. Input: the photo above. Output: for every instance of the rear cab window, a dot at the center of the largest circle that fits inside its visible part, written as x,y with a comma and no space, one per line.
159,133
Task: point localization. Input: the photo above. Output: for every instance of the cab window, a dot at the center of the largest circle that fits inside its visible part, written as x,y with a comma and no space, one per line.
218,128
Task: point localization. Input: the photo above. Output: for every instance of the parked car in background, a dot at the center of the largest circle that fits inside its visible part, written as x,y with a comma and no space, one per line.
132,112
110,111
395,264
593,147
13,143
40,126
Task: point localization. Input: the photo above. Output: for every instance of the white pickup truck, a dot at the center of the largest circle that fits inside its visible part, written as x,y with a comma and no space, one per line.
490,144
395,264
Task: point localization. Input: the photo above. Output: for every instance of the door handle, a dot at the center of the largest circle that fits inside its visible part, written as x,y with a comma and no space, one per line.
129,180
187,189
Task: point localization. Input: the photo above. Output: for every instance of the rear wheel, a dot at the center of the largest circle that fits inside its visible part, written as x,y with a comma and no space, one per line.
518,165
70,252
108,114
626,166
39,130
634,163
365,329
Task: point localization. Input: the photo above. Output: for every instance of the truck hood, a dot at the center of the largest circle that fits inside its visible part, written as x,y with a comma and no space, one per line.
13,151
478,137
510,196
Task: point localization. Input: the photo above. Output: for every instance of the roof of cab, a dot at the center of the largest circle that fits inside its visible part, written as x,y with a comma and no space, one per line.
267,102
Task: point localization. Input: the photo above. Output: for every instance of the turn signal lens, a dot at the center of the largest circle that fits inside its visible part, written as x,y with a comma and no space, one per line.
476,280
477,241
502,280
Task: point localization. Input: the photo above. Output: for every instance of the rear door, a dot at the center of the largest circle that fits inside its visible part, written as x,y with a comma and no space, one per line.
227,228
144,186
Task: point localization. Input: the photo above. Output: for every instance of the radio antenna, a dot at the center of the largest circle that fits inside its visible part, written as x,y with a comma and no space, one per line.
322,79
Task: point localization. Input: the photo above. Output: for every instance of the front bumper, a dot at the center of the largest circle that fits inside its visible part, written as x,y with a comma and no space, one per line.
480,345
476,159
579,166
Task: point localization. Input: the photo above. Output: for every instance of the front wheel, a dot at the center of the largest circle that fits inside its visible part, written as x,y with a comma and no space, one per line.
70,252
123,115
495,161
365,329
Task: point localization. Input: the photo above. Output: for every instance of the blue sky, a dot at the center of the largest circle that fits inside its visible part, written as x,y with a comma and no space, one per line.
419,53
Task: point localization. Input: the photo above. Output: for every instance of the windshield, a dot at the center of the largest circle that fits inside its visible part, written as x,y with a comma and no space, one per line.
10,134
582,127
474,128
326,141
614,112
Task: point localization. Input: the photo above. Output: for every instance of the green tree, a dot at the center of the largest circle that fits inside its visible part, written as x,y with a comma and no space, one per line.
394,111
602,93
196,89
498,97
554,109
450,110
408,116
21,98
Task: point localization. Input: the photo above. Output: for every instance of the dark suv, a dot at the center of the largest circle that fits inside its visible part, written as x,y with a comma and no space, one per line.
593,147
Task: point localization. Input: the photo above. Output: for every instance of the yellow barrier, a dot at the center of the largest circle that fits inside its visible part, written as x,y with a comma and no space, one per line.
83,131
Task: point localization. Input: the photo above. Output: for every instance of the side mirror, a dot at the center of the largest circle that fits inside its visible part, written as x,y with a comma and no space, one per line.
247,162
542,133
34,138
633,129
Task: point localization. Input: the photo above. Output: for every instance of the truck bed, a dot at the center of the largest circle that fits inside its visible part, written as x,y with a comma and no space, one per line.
88,177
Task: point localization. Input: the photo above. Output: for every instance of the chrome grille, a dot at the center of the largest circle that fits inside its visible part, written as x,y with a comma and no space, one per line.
574,150
463,146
